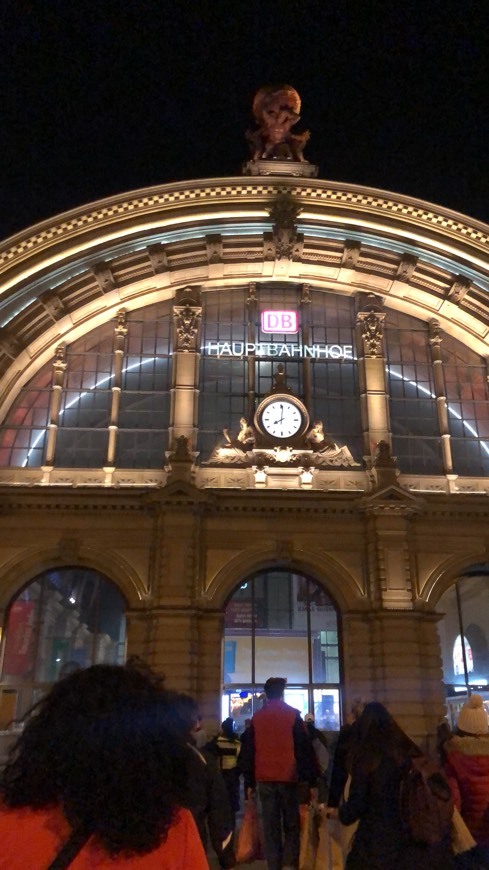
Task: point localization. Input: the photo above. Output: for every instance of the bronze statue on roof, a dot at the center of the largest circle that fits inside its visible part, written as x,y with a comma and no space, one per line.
276,110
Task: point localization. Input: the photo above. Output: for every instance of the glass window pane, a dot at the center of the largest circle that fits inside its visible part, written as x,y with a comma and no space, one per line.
65,619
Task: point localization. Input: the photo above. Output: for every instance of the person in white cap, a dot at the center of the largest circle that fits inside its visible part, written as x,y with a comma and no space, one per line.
467,767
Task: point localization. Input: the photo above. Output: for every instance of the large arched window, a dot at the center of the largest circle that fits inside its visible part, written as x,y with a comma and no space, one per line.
87,414
280,623
464,637
64,619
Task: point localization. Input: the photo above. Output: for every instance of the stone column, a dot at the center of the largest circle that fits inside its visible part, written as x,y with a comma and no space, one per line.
119,344
209,659
187,314
305,303
251,303
435,339
394,657
374,401
59,368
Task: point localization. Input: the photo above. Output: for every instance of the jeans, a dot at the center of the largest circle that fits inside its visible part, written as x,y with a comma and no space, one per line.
281,823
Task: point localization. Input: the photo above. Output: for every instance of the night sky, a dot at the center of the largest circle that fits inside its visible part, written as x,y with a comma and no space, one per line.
102,97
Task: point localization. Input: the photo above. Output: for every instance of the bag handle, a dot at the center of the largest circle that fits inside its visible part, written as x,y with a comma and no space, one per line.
70,849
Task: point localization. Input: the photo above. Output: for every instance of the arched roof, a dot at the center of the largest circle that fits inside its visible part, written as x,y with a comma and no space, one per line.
61,278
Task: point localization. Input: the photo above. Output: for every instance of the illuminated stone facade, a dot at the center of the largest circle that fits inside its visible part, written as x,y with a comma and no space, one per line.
386,534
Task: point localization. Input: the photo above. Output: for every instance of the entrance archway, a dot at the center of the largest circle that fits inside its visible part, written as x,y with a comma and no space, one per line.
464,637
281,623
64,619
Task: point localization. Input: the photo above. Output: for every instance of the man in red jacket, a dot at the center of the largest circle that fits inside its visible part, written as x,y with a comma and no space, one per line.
276,755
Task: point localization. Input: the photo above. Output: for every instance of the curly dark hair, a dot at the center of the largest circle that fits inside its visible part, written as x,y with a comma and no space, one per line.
97,746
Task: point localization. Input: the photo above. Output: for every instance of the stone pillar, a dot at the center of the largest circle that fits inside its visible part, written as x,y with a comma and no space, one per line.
394,657
251,302
187,314
374,401
59,368
435,340
173,645
305,303
209,685
119,343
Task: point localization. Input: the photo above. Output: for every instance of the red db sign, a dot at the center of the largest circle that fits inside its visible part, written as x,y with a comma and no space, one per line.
279,321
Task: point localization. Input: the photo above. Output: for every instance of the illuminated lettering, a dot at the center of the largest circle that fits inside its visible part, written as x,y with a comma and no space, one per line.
264,349
279,321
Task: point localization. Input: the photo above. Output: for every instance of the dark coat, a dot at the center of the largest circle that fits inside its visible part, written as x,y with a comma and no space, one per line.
207,799
381,841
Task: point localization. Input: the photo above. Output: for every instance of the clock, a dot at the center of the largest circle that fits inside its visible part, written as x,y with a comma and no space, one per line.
281,417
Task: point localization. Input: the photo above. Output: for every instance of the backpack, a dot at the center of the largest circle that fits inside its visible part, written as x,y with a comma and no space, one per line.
426,802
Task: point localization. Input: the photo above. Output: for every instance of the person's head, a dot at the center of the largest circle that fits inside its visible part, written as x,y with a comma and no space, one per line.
309,717
275,688
227,728
96,746
182,716
357,708
378,736
247,724
472,719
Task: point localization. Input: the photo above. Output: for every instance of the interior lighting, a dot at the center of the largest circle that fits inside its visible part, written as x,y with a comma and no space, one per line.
282,458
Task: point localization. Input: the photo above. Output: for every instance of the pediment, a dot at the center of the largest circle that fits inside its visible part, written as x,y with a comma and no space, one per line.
178,492
392,498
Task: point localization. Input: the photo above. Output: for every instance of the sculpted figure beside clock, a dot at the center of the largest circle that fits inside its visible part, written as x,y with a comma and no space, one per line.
318,440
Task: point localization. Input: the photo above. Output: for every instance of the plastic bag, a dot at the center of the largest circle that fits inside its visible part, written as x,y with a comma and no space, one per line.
249,845
462,839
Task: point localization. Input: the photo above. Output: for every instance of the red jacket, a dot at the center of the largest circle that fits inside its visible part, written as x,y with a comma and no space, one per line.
467,770
30,839
277,747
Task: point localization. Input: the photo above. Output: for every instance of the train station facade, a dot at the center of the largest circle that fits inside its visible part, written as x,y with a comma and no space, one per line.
245,432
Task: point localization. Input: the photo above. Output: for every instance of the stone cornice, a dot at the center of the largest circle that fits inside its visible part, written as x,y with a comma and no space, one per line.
213,194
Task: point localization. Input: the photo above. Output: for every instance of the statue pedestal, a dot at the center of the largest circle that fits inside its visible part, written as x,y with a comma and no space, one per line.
272,166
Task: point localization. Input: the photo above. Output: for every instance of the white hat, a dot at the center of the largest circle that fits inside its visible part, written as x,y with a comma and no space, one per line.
472,717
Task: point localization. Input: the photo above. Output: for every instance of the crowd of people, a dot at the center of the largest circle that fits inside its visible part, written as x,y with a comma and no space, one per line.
113,769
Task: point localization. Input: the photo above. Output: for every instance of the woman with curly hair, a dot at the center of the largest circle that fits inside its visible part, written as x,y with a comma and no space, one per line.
95,780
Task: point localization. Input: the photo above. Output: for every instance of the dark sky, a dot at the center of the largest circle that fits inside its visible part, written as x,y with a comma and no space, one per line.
103,97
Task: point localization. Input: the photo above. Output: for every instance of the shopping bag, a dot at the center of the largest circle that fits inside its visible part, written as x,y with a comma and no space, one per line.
329,855
347,832
309,837
249,846
462,839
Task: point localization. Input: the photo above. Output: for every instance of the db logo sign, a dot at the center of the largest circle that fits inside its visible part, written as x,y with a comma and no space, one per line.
279,321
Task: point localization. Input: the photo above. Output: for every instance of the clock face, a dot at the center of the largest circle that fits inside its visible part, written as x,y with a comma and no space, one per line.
281,419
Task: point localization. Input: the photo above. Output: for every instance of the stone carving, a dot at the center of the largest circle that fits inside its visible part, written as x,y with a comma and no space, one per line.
323,444
318,450
458,289
187,320
435,336
284,211
59,362
181,452
372,333
383,456
276,111
244,440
